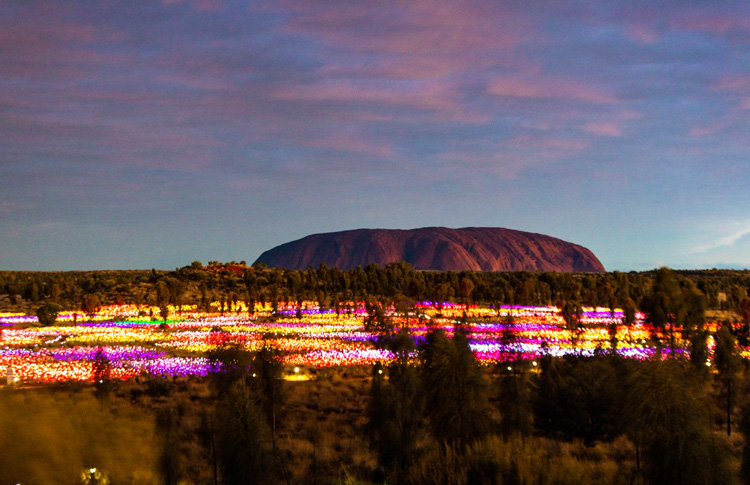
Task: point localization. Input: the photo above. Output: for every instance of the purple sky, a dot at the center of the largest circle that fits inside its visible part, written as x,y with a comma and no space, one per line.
147,134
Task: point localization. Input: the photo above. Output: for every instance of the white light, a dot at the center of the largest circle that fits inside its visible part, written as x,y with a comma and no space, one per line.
92,470
296,370
509,368
533,362
380,371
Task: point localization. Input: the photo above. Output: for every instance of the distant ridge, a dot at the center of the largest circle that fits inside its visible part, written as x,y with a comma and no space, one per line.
435,248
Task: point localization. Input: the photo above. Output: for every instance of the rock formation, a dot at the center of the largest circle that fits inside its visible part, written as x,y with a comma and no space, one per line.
435,248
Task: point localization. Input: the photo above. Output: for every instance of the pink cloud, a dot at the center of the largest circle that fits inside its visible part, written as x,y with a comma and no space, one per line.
351,92
415,101
735,83
710,129
205,82
546,142
410,39
718,23
642,33
603,129
347,143
738,89
45,37
200,5
547,88
510,158
408,26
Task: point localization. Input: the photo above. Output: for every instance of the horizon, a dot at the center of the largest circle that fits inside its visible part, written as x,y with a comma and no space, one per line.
181,130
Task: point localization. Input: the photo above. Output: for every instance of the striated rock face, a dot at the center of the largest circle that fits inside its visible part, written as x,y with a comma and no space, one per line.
436,248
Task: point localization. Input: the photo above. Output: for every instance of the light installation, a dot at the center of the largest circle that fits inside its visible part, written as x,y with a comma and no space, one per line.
136,343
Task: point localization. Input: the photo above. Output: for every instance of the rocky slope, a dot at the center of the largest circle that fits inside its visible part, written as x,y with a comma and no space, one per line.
435,248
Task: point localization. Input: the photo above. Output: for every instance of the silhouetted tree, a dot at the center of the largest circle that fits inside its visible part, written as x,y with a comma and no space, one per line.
266,372
466,286
378,323
664,305
395,409
514,400
577,397
454,389
668,420
170,464
727,363
241,437
47,314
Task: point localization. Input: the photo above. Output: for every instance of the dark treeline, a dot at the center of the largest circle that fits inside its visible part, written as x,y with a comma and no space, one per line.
232,282
434,415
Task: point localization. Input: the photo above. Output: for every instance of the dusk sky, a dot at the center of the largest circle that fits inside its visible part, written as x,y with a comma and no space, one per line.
140,134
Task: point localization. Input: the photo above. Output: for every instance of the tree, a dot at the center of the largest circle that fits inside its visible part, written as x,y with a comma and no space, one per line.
668,421
170,464
241,424
514,400
394,410
47,314
454,389
90,304
102,368
571,313
101,371
378,323
664,305
266,380
242,434
229,364
578,397
164,312
727,363
693,322
466,286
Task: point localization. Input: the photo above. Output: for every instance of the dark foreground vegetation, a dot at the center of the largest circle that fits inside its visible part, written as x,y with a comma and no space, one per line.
433,415
436,418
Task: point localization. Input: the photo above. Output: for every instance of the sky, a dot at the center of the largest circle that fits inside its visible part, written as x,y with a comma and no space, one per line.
149,134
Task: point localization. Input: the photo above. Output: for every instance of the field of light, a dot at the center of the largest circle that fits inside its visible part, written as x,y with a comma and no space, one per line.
135,343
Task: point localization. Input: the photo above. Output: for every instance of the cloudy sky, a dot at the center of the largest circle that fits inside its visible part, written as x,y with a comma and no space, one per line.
147,134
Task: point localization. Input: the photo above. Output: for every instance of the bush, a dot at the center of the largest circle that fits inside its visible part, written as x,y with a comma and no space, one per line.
47,314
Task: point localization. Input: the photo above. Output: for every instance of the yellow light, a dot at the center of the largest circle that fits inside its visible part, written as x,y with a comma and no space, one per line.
296,370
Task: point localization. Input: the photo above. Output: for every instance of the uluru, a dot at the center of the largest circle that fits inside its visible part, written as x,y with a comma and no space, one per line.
435,248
